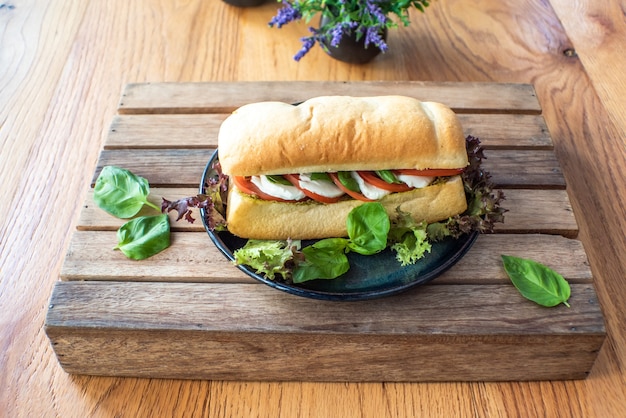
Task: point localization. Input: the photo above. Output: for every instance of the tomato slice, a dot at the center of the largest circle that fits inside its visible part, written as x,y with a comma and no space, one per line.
374,180
245,185
431,172
355,195
295,180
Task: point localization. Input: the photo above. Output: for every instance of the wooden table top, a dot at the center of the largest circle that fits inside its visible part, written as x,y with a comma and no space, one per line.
63,66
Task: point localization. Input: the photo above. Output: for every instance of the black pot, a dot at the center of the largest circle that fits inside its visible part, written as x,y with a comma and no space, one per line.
244,3
350,49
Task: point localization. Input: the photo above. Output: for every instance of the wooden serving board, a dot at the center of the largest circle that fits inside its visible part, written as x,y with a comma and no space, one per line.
188,313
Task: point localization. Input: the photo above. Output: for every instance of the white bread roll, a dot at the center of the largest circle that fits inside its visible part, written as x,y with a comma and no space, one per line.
340,133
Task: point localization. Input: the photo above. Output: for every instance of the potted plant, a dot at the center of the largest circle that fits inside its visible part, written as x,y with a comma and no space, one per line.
349,30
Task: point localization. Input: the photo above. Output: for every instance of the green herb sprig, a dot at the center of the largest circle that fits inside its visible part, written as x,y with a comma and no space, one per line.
123,194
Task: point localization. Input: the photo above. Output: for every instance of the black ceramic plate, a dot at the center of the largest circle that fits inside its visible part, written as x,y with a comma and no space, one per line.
369,276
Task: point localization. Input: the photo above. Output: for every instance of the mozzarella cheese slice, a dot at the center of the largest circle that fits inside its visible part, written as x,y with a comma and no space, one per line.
418,182
280,191
368,190
320,187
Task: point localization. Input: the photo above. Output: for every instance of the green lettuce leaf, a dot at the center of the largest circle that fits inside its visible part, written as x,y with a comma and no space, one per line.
408,239
270,258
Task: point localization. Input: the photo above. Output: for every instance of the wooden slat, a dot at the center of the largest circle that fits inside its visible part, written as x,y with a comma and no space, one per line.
225,97
483,263
192,257
508,130
184,167
172,168
112,304
423,334
529,211
538,211
524,168
164,131
153,131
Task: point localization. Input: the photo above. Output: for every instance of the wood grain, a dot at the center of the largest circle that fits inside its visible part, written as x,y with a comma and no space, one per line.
597,38
59,87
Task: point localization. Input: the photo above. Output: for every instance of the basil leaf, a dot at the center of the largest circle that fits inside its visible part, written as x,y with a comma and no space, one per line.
121,193
144,237
368,226
536,281
338,244
348,181
320,176
276,179
326,259
388,176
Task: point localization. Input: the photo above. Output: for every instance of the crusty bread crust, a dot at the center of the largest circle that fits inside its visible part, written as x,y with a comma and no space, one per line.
340,133
253,218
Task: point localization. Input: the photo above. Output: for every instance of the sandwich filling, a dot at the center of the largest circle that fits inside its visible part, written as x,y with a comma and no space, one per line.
336,186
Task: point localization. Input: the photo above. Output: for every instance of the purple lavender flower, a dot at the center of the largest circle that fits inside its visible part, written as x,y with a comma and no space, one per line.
288,13
372,36
366,20
376,11
307,43
336,34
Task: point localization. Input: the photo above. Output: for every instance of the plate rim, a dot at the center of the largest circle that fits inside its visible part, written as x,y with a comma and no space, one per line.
469,240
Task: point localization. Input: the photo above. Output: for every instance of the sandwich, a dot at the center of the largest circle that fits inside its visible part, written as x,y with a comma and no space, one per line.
296,171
